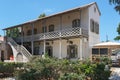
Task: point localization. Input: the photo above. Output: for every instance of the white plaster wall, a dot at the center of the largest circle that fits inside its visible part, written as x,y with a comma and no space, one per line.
56,48
76,41
93,37
84,18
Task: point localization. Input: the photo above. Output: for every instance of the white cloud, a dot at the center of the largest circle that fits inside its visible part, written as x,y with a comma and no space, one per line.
48,10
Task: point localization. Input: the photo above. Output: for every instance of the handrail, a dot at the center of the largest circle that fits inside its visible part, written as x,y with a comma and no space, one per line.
67,32
19,48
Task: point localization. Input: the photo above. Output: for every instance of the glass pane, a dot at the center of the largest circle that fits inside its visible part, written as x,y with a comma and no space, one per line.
95,51
103,51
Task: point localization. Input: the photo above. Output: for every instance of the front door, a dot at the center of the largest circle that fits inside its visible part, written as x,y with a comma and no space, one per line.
49,51
72,51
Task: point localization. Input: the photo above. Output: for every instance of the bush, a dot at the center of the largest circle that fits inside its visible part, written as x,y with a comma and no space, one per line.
56,69
8,69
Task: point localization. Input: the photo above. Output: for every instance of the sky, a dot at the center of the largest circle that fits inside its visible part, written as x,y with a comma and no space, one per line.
13,12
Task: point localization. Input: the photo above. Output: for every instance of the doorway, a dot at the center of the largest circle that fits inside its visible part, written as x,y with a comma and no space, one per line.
19,57
2,56
49,51
72,51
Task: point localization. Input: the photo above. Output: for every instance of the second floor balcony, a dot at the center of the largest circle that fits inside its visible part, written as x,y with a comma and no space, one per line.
65,33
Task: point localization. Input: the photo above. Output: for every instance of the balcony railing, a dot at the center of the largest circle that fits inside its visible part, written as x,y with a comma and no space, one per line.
77,31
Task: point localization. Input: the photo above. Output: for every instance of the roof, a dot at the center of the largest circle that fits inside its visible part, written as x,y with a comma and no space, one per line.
78,8
107,44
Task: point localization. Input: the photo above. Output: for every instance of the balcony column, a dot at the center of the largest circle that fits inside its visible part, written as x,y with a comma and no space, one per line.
44,42
80,48
32,39
44,47
80,17
60,40
60,48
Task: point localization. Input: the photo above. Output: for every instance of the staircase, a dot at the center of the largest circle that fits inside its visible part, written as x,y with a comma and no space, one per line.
19,48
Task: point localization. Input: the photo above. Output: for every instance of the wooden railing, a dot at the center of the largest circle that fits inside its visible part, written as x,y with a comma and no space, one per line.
69,32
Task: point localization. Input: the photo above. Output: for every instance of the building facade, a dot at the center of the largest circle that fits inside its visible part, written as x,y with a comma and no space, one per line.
69,34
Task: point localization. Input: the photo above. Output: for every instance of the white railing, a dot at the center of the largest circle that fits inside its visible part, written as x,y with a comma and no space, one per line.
19,48
69,32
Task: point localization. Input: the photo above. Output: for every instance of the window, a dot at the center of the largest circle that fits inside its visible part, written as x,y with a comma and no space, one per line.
95,51
35,31
44,29
51,28
92,25
76,23
29,32
96,28
94,9
103,51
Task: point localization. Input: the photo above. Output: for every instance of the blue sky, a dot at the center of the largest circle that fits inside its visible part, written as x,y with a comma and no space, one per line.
13,12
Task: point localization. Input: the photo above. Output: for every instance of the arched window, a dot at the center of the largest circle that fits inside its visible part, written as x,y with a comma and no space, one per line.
35,31
51,28
29,32
76,23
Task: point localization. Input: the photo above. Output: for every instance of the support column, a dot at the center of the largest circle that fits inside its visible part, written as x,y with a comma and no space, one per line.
32,47
44,47
60,40
44,27
60,48
80,49
32,39
80,18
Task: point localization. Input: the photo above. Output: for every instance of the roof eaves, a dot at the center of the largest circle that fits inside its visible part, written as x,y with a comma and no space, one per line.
59,13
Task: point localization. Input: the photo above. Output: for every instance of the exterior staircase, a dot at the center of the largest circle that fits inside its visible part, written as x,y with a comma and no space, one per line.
19,49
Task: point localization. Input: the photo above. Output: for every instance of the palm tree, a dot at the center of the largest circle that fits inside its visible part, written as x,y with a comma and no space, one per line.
117,4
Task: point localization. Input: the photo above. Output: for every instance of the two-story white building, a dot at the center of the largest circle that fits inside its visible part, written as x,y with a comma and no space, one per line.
68,34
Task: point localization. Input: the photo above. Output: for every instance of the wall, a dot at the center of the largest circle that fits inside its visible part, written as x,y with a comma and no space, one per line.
56,47
93,37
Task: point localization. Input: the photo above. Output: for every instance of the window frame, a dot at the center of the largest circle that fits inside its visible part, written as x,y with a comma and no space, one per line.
51,28
44,29
76,23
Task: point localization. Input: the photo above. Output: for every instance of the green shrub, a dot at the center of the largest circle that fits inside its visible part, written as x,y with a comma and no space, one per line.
62,69
8,69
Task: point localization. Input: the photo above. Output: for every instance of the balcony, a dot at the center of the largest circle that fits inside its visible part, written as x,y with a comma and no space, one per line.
70,32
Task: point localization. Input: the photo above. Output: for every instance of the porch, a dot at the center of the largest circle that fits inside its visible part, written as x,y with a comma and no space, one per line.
72,48
68,32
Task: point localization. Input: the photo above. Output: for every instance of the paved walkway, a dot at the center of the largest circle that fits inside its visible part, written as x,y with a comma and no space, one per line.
115,75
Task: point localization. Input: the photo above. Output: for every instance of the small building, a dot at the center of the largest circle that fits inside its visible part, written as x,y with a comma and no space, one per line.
105,49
